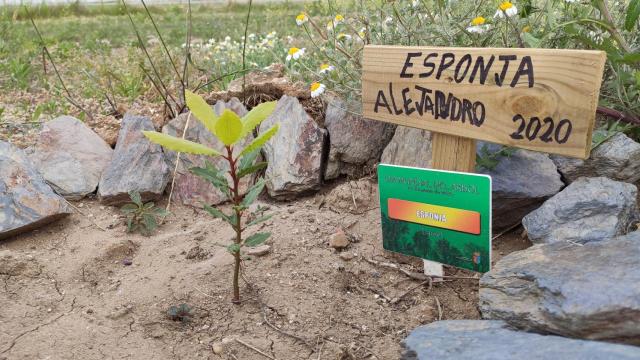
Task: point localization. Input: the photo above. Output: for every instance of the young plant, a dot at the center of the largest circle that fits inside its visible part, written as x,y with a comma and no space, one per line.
230,129
140,216
180,313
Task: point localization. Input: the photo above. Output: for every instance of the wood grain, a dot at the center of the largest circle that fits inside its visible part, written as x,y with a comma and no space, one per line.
566,85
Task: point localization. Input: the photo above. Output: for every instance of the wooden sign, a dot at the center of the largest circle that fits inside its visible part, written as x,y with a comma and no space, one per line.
537,99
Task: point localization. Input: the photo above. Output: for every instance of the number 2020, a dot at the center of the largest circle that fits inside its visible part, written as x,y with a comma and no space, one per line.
531,129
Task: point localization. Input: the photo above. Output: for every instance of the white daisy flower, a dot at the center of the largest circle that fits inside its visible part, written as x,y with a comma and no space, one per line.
301,19
326,68
506,8
295,53
317,89
478,25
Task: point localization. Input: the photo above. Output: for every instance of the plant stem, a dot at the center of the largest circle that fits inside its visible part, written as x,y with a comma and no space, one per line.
238,226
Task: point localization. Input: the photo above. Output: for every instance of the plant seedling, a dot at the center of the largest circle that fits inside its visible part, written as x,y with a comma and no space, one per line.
180,313
230,129
141,216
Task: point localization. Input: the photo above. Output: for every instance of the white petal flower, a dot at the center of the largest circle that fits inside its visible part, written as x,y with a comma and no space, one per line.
317,89
295,53
301,19
506,8
326,68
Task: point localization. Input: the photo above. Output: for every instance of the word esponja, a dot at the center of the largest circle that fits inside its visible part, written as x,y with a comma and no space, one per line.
429,215
480,70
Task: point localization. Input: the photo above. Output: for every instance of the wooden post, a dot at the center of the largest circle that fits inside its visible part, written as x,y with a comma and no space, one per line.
452,153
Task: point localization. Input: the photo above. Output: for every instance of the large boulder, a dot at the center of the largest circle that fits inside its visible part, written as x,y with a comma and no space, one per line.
618,158
590,291
356,143
590,209
409,147
521,181
188,188
495,340
71,157
295,153
137,165
26,201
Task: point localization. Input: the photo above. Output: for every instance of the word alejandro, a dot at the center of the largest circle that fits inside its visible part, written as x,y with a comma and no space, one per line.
469,68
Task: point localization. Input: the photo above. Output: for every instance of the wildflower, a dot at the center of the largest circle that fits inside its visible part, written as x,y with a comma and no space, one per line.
339,19
362,33
478,25
526,29
506,8
301,19
330,26
326,68
317,89
294,53
343,36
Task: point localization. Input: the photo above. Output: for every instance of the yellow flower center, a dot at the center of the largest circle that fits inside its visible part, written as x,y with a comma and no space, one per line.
293,50
301,17
478,21
505,6
526,29
324,66
339,17
315,86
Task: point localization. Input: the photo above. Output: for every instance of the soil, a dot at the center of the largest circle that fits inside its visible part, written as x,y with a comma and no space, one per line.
74,291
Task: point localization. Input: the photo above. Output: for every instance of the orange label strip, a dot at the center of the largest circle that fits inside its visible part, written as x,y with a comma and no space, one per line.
434,215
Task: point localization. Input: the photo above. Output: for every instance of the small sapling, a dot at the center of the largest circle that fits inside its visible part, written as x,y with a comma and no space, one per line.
141,216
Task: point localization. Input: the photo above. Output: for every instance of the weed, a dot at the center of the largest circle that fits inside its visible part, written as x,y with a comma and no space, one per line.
141,216
229,128
489,160
180,313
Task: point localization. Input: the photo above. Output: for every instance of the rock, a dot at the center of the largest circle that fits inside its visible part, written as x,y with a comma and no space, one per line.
71,157
617,158
520,182
356,143
190,189
107,127
590,291
197,253
347,256
137,165
295,153
339,240
260,250
409,147
352,196
26,201
217,348
494,340
590,209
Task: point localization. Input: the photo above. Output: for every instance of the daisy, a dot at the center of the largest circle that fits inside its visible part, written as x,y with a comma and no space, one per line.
506,8
339,19
294,53
343,36
330,26
317,89
301,19
326,68
478,25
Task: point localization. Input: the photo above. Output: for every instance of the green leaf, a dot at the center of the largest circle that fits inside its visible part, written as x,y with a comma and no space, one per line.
633,12
229,127
631,58
253,193
259,220
150,223
149,205
256,239
129,208
260,140
202,111
217,213
530,40
135,198
233,248
256,116
251,169
179,145
248,159
214,176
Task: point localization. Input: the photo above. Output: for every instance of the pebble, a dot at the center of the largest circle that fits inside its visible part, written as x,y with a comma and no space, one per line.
127,262
339,240
347,256
217,348
258,250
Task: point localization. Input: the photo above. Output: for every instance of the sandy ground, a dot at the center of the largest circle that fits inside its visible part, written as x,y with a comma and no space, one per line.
66,293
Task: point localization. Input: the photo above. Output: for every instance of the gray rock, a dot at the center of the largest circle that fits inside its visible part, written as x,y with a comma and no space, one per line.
409,147
190,189
71,157
295,153
494,340
590,291
617,158
521,182
137,165
590,209
26,201
356,143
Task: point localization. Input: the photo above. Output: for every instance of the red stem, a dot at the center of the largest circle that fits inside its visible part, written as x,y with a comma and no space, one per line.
618,115
238,226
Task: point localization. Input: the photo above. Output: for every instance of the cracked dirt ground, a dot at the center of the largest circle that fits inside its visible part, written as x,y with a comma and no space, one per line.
65,292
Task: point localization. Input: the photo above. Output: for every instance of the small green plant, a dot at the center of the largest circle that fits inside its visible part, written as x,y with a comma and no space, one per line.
229,128
488,159
142,217
180,313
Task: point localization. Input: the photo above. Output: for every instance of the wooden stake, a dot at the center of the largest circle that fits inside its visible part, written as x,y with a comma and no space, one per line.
451,153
